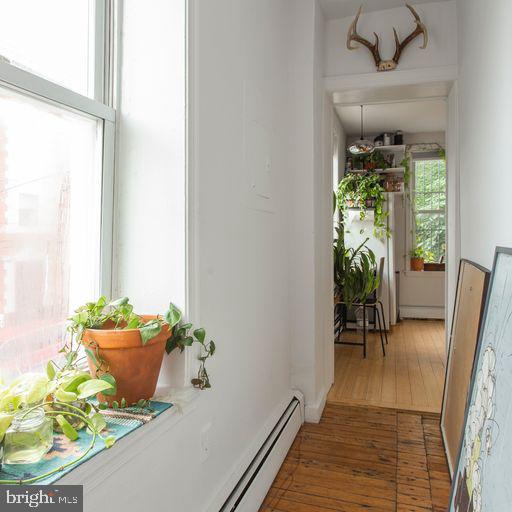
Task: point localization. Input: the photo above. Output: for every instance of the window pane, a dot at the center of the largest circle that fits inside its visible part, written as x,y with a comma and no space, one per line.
430,235
51,38
50,198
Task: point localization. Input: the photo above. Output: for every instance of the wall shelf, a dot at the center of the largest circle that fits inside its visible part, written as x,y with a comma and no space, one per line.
389,170
394,148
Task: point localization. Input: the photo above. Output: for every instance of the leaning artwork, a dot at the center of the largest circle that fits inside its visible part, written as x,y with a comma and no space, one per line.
481,481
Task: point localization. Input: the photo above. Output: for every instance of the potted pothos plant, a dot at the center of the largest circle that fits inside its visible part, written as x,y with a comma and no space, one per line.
126,349
364,192
418,256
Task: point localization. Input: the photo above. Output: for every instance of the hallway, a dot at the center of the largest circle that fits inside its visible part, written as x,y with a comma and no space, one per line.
410,377
362,458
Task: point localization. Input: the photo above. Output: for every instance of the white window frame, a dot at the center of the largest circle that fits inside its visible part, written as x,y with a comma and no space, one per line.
99,107
418,157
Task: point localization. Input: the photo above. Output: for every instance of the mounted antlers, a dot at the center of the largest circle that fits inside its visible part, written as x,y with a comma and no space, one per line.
387,65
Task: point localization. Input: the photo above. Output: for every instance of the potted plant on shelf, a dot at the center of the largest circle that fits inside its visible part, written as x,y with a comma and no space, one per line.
126,349
364,192
371,162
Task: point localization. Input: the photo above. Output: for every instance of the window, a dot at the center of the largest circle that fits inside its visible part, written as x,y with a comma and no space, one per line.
56,166
52,38
429,201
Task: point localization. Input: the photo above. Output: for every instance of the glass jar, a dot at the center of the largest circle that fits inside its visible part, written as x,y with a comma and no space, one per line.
29,438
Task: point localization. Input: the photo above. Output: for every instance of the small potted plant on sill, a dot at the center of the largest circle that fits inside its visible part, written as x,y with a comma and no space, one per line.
417,255
126,349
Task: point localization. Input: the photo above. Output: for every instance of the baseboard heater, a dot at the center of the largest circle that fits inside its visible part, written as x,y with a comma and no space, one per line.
251,489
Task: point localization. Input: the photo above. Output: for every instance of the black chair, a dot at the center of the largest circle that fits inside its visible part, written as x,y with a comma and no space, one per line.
373,303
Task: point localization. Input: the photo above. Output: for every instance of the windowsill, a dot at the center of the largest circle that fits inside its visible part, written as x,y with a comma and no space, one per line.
94,471
425,273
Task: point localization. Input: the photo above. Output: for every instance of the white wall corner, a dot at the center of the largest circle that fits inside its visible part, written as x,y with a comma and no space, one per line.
313,412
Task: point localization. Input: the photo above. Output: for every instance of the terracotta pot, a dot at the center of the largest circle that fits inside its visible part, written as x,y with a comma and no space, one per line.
135,366
417,264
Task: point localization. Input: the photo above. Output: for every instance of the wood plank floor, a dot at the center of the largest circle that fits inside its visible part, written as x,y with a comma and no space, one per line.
410,377
364,459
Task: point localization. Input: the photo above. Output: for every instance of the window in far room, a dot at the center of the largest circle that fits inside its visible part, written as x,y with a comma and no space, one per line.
428,211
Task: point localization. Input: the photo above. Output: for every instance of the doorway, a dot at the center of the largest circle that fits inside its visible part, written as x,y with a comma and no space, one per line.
416,178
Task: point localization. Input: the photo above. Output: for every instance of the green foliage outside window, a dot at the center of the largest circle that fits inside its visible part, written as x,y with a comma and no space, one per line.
429,205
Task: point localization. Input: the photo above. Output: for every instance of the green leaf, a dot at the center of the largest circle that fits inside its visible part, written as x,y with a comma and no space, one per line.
92,387
65,396
115,404
200,334
150,330
92,357
172,315
50,370
171,344
37,388
133,323
67,428
212,348
123,403
102,406
72,383
109,441
119,302
5,423
187,341
112,381
98,422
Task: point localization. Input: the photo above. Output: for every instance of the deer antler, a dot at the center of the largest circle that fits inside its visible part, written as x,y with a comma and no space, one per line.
420,29
354,36
387,65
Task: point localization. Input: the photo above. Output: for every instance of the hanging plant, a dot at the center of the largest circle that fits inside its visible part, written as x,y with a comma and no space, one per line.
364,192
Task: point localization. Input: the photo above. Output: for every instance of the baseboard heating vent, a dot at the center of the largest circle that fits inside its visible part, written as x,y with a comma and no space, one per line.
252,488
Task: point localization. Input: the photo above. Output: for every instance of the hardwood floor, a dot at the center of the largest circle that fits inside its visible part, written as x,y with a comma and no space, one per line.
410,377
364,459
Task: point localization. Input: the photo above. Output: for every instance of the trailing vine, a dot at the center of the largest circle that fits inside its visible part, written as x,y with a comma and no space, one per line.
364,192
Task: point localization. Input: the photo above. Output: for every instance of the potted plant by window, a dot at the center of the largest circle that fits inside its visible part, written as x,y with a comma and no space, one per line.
127,349
417,255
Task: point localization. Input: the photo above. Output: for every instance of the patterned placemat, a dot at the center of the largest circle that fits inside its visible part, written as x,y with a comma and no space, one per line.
120,423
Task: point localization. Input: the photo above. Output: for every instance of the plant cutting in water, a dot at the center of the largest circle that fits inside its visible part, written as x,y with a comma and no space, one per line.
31,393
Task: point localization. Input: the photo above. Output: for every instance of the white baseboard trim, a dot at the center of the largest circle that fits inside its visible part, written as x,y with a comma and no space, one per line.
429,312
243,462
313,412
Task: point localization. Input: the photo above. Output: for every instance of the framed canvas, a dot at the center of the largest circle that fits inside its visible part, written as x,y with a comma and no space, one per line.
481,480
467,314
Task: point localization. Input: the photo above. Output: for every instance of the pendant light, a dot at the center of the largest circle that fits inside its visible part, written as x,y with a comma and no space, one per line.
361,146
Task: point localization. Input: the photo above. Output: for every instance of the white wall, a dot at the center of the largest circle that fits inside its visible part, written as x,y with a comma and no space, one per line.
485,131
149,253
440,18
241,178
310,231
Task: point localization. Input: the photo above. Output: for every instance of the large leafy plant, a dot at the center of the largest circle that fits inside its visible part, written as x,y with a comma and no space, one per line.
354,271
364,191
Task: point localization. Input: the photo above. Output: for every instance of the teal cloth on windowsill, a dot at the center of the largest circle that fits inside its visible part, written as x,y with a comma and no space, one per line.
65,451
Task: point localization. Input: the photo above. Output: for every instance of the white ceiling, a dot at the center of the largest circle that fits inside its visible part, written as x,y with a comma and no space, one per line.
334,9
410,116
